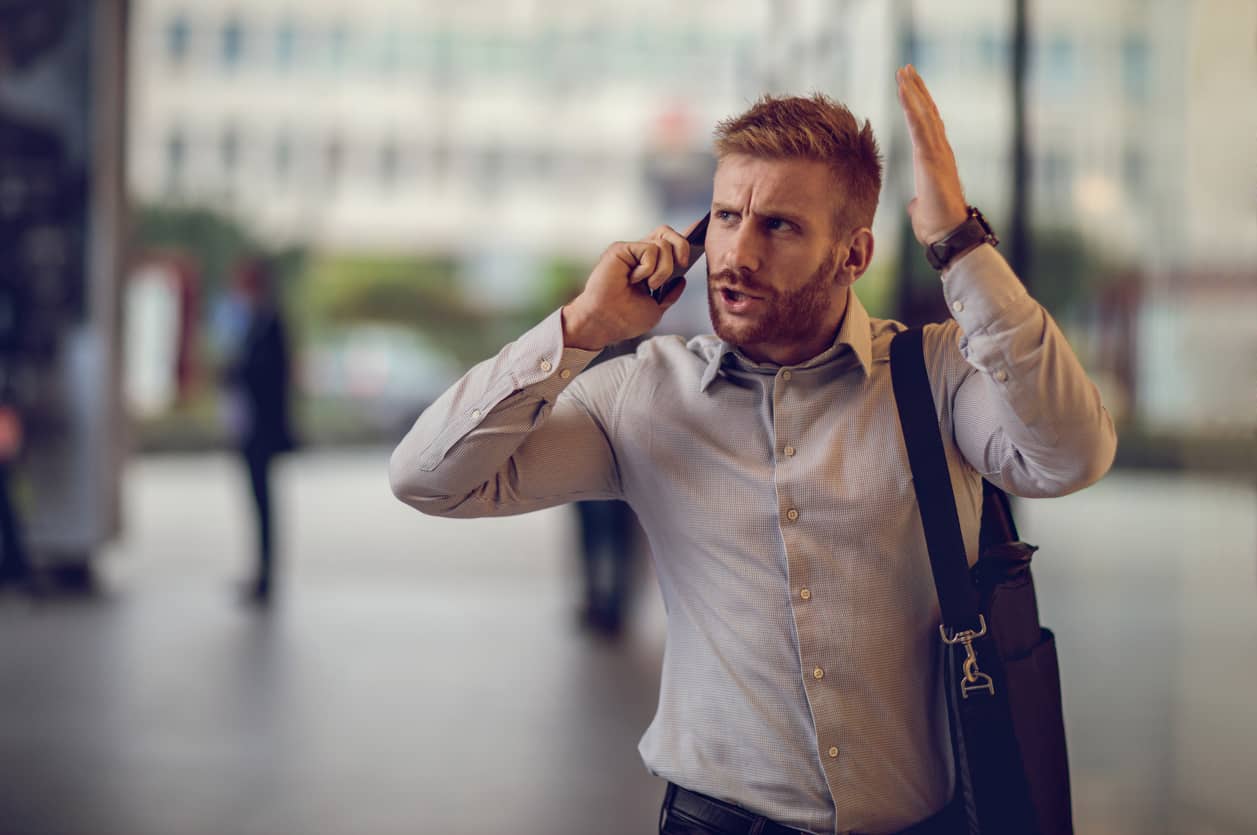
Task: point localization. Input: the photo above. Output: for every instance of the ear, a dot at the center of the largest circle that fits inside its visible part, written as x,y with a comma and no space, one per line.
859,256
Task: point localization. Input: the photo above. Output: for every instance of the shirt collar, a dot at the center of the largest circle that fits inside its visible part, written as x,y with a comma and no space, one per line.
853,332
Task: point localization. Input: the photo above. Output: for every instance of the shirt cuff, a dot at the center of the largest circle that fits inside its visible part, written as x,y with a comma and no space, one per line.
979,287
541,364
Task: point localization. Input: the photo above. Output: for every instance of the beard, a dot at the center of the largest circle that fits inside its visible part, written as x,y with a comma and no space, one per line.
787,315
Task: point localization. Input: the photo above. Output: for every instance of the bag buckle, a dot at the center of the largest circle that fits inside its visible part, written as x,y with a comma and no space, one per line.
974,679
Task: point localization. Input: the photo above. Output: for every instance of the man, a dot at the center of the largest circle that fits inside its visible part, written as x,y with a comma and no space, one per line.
801,680
258,379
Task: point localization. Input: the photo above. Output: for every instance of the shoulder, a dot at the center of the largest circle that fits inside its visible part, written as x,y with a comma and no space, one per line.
660,360
940,339
673,354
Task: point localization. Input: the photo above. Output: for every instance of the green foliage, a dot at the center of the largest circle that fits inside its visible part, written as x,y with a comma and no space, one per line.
415,292
211,240
560,281
875,289
1065,271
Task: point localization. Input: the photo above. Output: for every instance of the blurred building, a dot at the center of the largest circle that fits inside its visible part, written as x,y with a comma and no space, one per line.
426,126
503,132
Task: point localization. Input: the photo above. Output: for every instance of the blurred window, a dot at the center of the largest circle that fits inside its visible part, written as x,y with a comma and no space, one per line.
389,164
1056,176
176,159
1133,170
232,43
333,162
542,163
229,150
440,58
286,44
178,39
390,51
992,51
923,54
283,157
441,159
338,45
490,168
1135,66
1060,60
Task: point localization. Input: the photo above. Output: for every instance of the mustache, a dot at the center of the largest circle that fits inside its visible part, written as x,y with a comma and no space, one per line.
739,281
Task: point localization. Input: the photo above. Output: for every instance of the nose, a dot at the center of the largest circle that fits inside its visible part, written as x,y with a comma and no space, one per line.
745,250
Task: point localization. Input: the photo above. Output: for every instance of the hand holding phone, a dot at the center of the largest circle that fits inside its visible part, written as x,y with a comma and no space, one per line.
696,238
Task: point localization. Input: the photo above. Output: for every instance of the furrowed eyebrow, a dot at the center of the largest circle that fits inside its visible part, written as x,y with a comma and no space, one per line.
789,217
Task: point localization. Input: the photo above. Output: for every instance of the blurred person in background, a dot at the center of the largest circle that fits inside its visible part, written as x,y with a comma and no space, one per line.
15,569
801,689
257,379
608,538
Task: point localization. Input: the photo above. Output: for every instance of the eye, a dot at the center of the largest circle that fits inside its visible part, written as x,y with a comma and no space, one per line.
725,215
776,224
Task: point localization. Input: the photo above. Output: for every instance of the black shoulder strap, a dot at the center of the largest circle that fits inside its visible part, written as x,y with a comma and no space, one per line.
932,482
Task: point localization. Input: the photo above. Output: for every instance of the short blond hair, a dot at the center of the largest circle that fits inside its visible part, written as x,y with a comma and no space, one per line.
814,128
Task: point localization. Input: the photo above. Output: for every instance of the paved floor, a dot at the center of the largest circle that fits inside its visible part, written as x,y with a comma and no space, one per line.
422,675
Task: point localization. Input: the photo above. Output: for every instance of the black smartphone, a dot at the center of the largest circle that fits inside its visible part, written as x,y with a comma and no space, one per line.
697,237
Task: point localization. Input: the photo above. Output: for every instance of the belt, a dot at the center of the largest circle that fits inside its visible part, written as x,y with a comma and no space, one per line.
726,818
729,819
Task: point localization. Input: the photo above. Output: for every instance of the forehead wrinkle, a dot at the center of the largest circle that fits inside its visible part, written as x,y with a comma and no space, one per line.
748,183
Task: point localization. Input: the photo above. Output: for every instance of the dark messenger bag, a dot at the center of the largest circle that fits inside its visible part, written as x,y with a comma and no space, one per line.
1000,672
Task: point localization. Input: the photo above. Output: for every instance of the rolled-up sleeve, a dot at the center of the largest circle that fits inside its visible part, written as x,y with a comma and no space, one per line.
512,436
1024,413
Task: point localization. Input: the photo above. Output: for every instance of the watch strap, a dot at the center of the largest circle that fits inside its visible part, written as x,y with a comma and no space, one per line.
975,230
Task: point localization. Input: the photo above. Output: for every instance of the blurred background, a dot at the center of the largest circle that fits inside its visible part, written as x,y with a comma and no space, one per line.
422,182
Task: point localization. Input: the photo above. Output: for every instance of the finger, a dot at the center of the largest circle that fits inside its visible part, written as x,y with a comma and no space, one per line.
660,269
643,258
677,244
911,108
919,83
925,109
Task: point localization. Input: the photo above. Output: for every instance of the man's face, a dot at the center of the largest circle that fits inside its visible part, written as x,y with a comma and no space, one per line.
774,284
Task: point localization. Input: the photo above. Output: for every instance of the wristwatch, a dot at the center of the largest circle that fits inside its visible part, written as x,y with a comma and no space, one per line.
975,230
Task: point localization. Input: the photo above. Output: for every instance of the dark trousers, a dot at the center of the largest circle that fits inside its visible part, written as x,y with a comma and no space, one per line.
689,813
258,465
607,529
14,566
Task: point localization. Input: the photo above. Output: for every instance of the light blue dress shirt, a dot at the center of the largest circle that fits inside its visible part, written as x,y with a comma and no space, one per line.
801,672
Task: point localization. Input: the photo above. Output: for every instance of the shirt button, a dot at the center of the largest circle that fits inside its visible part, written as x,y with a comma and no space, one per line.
475,413
833,752
792,514
789,451
806,594
957,306
1001,375
786,375
546,366
566,373
818,674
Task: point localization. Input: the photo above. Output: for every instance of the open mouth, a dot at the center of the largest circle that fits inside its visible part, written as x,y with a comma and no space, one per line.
736,296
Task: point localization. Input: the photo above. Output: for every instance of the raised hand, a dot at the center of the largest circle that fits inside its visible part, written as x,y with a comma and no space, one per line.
939,204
